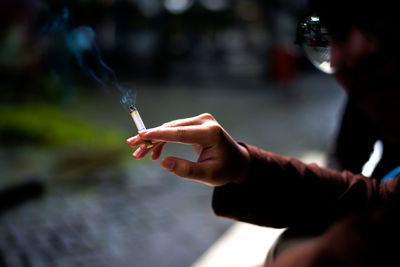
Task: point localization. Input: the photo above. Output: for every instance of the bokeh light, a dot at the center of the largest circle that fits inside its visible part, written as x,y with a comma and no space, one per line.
178,6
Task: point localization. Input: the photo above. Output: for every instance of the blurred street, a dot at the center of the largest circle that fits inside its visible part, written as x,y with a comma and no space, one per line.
70,192
145,216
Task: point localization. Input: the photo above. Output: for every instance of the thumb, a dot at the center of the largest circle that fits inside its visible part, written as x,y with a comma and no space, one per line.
184,168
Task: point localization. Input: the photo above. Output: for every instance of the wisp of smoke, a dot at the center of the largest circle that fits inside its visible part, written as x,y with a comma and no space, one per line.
82,41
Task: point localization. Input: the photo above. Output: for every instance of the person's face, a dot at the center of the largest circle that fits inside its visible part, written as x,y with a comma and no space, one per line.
355,59
370,75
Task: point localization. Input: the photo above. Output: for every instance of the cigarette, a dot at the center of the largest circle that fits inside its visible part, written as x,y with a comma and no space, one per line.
139,124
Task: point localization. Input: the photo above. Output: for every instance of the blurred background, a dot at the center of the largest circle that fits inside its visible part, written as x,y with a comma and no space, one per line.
70,192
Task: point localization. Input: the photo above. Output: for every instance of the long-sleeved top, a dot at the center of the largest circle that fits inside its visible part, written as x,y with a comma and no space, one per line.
358,217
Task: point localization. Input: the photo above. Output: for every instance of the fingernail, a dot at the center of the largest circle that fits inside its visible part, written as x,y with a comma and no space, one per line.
168,164
131,139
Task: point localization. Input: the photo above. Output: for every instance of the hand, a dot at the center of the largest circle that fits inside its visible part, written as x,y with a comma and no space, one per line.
221,159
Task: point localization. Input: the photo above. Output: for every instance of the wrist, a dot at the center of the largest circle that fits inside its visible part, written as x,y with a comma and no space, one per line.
245,164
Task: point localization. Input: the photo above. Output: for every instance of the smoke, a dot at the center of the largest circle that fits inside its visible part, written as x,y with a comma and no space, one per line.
82,42
56,22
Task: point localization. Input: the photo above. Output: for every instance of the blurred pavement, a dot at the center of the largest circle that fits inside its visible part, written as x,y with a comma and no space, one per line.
144,216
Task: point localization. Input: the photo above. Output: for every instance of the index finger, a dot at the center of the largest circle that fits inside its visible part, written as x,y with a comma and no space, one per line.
193,134
197,120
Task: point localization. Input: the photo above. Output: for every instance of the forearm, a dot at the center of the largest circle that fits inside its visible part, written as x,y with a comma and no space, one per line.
281,191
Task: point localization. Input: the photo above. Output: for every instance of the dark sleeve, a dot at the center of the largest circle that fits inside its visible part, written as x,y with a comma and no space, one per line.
284,192
364,238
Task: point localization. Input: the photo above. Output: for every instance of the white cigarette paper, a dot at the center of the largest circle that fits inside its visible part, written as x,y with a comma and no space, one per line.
138,120
140,125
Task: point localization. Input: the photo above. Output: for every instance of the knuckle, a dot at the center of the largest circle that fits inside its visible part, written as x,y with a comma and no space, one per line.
169,124
215,130
180,133
187,171
207,116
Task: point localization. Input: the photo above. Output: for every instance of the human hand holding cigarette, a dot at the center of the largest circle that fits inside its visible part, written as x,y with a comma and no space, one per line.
221,159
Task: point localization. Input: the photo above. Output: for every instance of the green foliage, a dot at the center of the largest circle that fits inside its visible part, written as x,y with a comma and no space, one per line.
47,125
